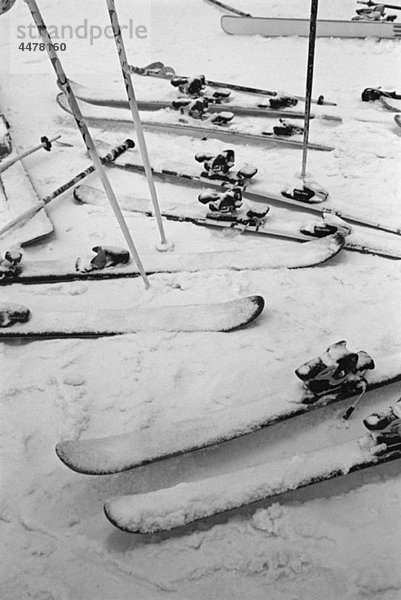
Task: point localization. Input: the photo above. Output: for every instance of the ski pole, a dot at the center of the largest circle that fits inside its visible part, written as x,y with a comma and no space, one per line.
110,157
46,144
231,9
370,3
65,86
118,38
5,5
309,82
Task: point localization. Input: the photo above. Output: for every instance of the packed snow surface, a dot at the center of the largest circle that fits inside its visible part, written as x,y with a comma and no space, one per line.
335,540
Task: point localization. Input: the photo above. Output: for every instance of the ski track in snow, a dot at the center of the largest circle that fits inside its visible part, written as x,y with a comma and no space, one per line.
340,540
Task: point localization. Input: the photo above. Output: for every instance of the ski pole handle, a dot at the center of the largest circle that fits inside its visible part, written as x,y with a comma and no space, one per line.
110,157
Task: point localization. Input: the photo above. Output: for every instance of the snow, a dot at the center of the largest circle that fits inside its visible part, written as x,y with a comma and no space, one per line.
334,540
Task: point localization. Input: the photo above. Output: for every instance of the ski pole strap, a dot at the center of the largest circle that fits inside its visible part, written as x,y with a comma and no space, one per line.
351,409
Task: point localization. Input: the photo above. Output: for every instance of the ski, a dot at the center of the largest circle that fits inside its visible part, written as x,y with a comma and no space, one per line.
300,27
114,99
129,450
286,256
18,194
254,194
96,115
231,9
274,225
397,119
162,71
222,317
169,508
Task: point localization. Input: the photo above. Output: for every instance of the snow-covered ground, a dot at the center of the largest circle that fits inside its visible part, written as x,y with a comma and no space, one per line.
334,540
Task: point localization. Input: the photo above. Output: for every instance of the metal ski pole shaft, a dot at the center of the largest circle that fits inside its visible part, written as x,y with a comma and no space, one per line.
231,9
46,144
164,245
110,157
66,88
309,83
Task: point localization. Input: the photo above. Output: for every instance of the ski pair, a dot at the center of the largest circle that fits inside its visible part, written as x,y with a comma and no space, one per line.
334,376
302,227
279,106
101,116
261,221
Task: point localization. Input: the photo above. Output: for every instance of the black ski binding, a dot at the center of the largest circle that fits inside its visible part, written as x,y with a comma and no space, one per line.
385,427
255,217
222,118
218,167
10,264
223,202
191,86
105,256
286,128
372,94
310,193
282,101
337,371
13,313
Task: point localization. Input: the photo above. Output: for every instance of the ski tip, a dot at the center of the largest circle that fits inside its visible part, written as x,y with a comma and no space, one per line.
65,452
251,307
259,303
108,511
76,194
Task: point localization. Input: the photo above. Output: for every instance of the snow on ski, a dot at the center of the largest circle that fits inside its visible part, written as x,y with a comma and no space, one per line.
118,453
161,71
100,116
169,508
113,98
289,256
223,316
17,194
270,27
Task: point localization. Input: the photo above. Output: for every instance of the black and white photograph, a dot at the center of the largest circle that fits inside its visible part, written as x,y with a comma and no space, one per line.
200,291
